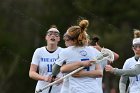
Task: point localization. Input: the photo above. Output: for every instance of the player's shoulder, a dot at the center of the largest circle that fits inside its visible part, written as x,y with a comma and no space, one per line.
66,50
40,49
59,50
69,48
129,61
93,49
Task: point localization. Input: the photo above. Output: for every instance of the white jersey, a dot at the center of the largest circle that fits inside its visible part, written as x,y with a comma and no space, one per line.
81,84
134,85
44,60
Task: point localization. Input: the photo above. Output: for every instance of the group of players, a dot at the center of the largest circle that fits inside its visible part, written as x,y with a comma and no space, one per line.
80,52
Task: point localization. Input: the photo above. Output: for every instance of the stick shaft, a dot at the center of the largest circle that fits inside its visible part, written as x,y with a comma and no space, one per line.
49,85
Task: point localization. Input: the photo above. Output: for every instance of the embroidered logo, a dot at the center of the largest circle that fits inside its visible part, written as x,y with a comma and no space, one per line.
83,53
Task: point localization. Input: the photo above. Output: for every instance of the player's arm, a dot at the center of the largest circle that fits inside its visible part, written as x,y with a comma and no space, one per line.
98,47
116,56
95,43
34,75
125,72
66,68
93,73
123,83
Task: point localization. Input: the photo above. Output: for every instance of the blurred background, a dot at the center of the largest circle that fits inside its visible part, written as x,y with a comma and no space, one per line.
23,24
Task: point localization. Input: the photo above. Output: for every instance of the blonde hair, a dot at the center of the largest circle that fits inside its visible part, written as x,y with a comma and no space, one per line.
78,33
136,39
136,33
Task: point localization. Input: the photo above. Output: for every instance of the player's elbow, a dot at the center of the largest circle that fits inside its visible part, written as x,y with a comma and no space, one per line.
100,73
31,74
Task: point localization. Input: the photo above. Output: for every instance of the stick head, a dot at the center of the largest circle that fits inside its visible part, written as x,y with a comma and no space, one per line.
107,54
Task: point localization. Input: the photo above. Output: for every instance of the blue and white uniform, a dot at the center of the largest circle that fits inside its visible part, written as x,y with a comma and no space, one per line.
134,85
44,60
80,84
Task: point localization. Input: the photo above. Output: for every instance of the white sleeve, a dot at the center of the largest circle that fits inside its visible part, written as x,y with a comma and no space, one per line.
35,58
128,72
123,80
123,84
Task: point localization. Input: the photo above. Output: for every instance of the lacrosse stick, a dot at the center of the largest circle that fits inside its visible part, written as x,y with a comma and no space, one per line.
106,54
53,77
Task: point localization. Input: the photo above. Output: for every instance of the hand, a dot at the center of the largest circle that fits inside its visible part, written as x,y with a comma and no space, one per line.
78,74
48,79
108,68
87,63
59,81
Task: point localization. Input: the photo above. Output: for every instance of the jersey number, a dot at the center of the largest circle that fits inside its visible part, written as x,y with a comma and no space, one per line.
87,68
49,67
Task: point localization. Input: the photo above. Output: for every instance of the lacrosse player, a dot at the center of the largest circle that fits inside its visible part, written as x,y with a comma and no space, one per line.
131,68
65,87
74,55
43,59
